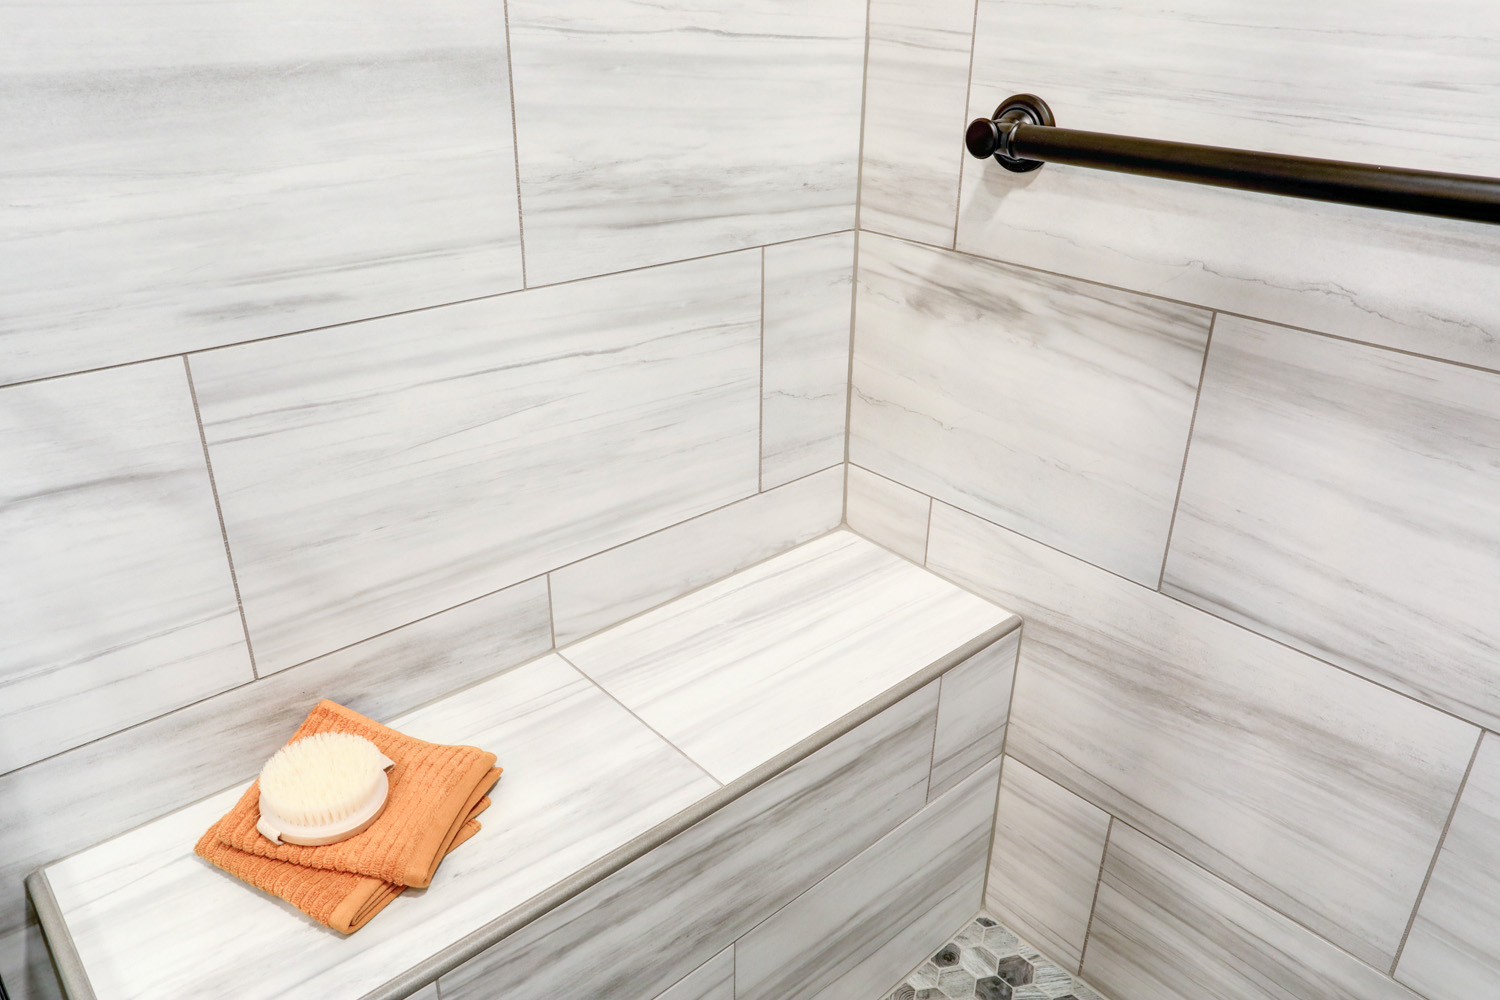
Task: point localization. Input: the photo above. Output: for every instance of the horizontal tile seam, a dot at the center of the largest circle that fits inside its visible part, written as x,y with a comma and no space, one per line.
416,309
1194,608
1204,306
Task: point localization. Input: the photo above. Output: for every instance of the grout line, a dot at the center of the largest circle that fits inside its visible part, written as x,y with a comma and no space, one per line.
1010,707
859,198
416,309
662,736
1098,883
1205,307
1192,607
515,136
989,855
1208,343
437,988
958,195
734,967
219,510
927,541
1436,854
760,454
551,611
937,714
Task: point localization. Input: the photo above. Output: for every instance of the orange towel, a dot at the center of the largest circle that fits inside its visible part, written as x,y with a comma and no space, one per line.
435,793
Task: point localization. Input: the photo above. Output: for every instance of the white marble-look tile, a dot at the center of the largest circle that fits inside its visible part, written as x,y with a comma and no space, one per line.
378,472
116,602
1315,79
651,132
713,980
1055,407
581,777
25,965
1453,951
886,512
805,356
73,800
1049,844
1319,793
972,711
916,90
740,670
655,920
1345,500
867,924
1168,930
601,590
201,173
428,992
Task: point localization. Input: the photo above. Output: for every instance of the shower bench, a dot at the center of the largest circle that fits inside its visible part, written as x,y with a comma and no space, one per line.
779,785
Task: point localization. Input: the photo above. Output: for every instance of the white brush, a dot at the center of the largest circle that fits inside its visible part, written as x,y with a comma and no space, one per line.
322,789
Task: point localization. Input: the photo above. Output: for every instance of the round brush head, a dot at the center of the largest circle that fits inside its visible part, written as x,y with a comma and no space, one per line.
322,789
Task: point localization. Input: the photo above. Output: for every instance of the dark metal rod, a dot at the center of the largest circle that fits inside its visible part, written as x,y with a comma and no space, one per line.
1022,137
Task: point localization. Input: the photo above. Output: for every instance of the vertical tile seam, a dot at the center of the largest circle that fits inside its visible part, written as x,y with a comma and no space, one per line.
1436,855
1010,708
1187,448
927,539
760,457
515,137
1088,929
989,856
213,487
958,194
859,197
551,611
937,718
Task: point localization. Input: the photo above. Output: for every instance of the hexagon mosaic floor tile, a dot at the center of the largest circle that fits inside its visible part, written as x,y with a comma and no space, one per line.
985,961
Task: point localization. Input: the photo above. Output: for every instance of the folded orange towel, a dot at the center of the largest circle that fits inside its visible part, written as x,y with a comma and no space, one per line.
435,793
343,901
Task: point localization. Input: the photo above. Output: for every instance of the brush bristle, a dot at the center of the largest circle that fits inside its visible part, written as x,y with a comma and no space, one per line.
321,778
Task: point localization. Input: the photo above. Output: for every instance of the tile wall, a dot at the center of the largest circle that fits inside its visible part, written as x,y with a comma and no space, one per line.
357,351
1234,459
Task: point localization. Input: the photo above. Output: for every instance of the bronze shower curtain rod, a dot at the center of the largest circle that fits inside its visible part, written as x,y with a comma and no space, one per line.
1022,135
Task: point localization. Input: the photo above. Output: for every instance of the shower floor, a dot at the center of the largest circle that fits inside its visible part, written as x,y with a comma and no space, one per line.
985,961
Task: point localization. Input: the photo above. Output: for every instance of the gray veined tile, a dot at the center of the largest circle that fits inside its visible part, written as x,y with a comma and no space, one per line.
116,602
1285,76
812,634
1057,408
1346,500
378,472
652,132
1044,867
197,174
876,917
25,965
601,590
886,512
75,799
1453,952
144,910
712,883
713,980
916,90
805,380
1312,789
1166,929
972,712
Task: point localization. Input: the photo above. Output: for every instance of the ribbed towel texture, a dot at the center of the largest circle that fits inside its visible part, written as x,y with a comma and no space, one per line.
436,791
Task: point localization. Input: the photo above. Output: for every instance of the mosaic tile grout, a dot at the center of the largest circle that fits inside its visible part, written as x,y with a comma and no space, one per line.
984,960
